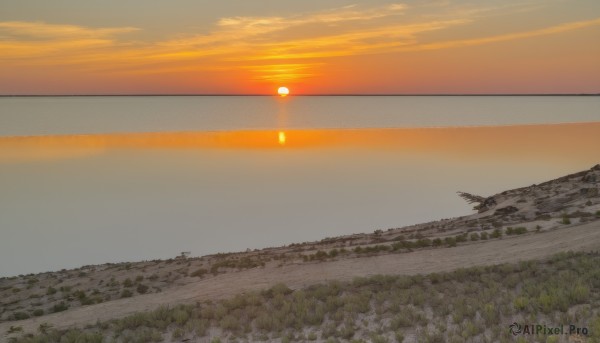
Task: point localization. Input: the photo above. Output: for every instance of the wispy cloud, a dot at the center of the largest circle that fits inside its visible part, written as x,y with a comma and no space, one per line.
507,37
40,30
28,40
269,48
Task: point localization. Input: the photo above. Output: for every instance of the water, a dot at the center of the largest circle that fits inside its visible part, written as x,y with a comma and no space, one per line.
108,179
79,115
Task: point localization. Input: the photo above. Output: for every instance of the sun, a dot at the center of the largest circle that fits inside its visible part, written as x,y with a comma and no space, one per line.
283,91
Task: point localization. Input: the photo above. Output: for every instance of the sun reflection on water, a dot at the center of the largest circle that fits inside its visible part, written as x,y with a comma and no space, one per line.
281,137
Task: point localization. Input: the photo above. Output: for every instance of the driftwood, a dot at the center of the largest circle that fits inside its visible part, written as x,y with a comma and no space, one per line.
483,204
471,198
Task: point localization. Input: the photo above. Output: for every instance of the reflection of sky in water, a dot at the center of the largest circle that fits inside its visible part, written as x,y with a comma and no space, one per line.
82,199
79,115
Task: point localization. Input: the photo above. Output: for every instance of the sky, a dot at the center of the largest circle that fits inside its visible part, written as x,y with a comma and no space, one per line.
310,46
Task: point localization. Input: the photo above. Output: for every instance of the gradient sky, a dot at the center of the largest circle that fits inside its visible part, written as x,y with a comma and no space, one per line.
311,46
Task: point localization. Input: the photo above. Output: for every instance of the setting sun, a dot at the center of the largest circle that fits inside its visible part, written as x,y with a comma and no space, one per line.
283,91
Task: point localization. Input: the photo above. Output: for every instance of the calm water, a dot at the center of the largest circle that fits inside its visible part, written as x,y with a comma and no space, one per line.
105,179
79,115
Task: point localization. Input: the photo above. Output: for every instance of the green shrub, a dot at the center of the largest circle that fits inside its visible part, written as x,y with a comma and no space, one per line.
44,328
319,255
199,272
401,320
516,231
579,294
177,334
450,241
60,307
142,289
520,230
38,312
461,238
79,294
230,323
14,329
20,315
565,219
484,235
379,339
88,301
423,243
126,293
521,303
51,290
128,283
474,236
497,233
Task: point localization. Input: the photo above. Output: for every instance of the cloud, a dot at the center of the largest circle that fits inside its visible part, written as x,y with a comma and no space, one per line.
506,37
344,14
269,48
41,30
27,40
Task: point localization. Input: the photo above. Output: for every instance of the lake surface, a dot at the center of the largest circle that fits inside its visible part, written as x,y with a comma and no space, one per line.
21,116
88,180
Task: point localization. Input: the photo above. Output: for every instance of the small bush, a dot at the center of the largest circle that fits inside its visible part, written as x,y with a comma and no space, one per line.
516,231
423,242
565,219
20,316
379,339
51,291
474,236
484,235
60,307
126,293
142,289
579,294
177,334
461,238
128,283
199,273
399,336
14,329
87,301
497,233
450,241
38,312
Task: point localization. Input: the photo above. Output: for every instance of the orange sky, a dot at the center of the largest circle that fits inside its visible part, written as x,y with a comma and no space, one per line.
313,47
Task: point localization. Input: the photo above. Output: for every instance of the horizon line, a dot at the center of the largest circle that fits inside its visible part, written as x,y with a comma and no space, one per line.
294,95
